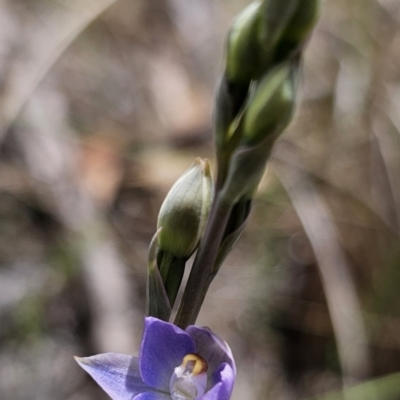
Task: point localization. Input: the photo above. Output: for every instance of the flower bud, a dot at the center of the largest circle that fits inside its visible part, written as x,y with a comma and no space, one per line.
267,114
184,212
276,15
270,107
253,38
299,27
243,50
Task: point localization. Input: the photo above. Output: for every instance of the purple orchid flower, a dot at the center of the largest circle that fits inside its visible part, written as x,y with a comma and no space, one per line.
191,364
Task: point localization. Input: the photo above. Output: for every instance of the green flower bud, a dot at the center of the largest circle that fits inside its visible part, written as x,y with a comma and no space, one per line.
271,105
276,15
253,38
267,113
243,49
299,27
303,21
184,212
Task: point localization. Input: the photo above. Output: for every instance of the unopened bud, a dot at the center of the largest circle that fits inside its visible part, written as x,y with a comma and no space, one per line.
299,27
276,15
267,114
270,107
243,49
254,36
184,212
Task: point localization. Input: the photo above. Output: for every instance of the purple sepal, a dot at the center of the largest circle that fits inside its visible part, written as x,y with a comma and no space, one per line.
117,374
163,347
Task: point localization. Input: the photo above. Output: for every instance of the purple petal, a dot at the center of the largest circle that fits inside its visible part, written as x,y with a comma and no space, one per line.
117,374
222,384
152,396
212,348
163,347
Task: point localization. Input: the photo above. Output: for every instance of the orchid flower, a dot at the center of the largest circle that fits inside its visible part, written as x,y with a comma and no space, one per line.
191,364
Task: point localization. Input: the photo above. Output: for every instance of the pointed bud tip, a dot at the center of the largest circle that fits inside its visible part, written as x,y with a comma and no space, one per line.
204,165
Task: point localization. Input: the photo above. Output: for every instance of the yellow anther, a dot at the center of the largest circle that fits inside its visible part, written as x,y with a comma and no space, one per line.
195,364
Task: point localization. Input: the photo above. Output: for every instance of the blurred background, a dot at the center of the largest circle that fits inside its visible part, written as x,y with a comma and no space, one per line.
104,103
